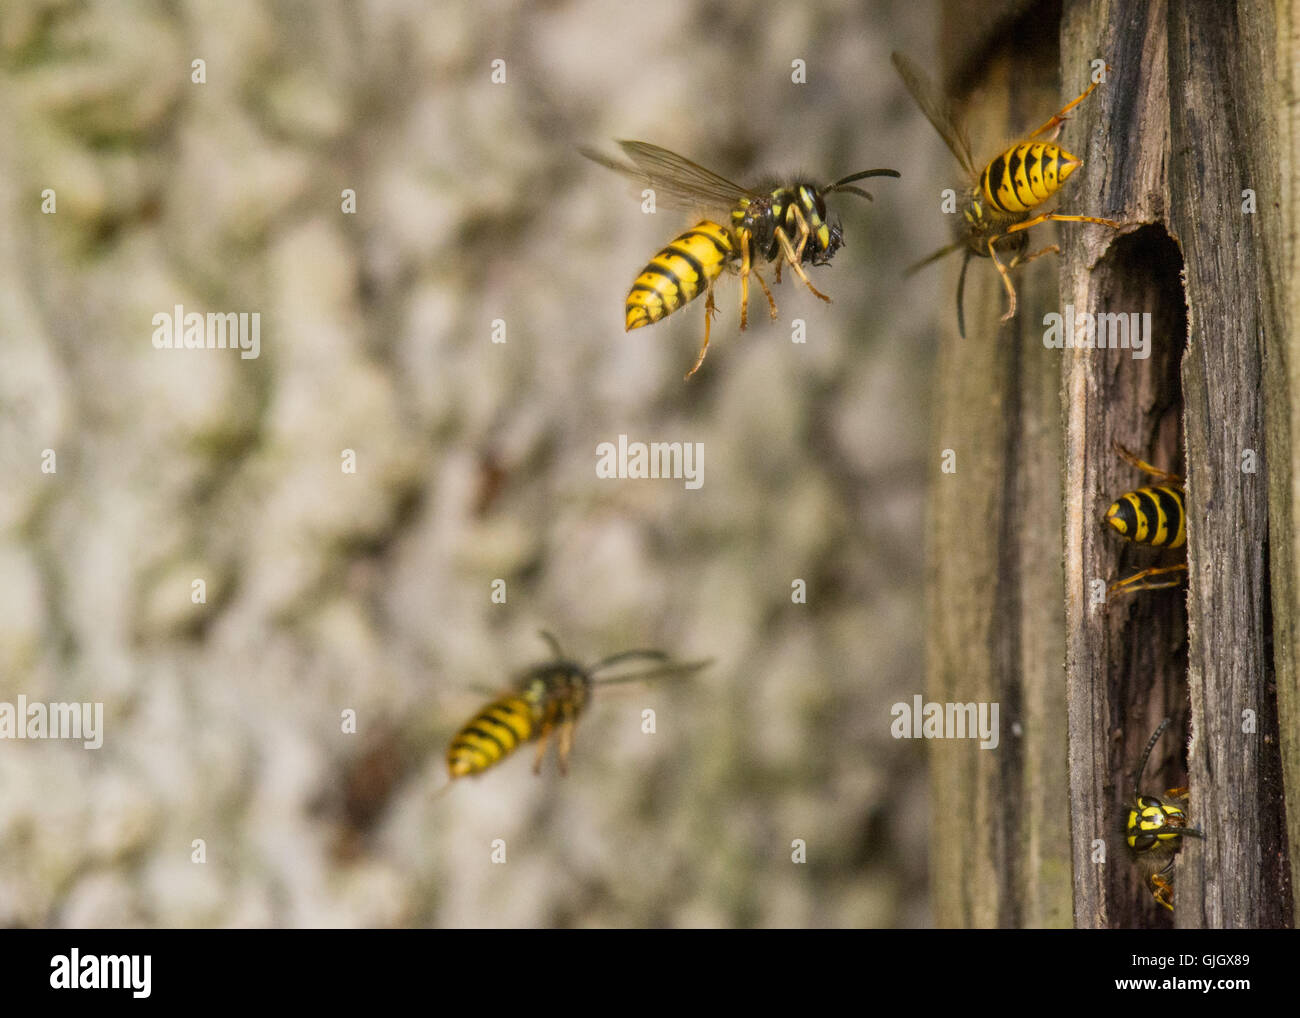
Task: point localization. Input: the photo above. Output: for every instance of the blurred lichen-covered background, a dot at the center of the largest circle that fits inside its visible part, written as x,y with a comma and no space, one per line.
370,591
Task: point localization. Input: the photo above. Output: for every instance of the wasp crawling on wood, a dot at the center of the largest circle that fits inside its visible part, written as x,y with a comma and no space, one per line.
547,698
1000,198
1155,516
1155,830
785,224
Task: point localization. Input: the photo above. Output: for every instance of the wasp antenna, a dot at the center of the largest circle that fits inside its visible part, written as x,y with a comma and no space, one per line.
1146,755
677,670
961,289
853,190
839,184
551,642
943,252
627,655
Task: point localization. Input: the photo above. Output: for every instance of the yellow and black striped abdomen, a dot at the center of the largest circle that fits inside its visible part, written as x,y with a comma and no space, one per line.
679,273
1154,516
495,732
1026,175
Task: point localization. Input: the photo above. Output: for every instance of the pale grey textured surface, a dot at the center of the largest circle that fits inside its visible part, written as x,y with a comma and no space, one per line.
370,591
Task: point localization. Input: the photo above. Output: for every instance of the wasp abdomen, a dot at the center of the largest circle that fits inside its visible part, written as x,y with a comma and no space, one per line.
678,274
496,731
1026,175
1154,516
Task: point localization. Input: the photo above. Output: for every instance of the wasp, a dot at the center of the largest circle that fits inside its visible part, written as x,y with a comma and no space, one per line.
548,698
1156,828
1153,515
785,224
1001,197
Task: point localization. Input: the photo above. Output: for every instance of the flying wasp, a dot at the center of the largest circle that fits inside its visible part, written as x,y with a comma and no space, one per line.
1151,515
1001,196
785,224
1155,830
547,698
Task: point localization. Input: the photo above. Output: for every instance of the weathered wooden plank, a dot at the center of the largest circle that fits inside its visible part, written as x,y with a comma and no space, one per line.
1177,131
1220,139
995,632
1277,229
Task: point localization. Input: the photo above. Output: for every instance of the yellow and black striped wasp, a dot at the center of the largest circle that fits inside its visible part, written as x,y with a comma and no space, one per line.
998,202
785,224
1154,515
1155,830
548,698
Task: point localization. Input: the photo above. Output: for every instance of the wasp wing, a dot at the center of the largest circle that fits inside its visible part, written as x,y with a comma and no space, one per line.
676,181
937,110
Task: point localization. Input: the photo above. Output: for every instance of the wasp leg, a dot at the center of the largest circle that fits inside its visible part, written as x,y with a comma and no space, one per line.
1006,279
541,749
746,267
1130,584
566,744
961,289
1020,260
1060,118
1056,217
805,231
1016,227
1162,891
771,304
1015,263
788,253
1145,467
710,309
793,255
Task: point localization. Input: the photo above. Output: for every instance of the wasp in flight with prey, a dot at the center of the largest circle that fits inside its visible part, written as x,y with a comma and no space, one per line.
785,224
547,698
1000,198
1154,515
1155,830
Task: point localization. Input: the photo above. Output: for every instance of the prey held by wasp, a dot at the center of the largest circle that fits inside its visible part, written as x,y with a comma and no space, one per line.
547,699
785,224
1000,198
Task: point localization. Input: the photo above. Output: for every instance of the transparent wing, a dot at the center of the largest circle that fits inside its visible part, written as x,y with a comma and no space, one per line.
676,181
937,110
